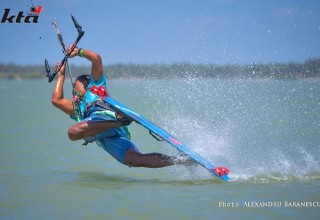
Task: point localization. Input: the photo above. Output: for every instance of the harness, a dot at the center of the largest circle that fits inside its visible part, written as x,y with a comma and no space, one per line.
100,105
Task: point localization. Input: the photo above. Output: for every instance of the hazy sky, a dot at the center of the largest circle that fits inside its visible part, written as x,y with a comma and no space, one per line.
167,31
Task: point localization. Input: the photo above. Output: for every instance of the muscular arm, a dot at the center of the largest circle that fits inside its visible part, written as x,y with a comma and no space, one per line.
96,68
58,99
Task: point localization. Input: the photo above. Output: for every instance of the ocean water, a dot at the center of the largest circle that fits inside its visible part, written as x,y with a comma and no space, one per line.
266,132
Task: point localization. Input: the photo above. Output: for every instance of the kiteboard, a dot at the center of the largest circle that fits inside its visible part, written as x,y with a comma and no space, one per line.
160,135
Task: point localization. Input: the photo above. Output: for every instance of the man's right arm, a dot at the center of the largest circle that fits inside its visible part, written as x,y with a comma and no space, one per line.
96,68
58,99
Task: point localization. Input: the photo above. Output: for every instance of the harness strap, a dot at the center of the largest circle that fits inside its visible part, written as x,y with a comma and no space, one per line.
101,106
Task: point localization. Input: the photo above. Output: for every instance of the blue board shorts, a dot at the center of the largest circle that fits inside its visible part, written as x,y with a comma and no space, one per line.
116,141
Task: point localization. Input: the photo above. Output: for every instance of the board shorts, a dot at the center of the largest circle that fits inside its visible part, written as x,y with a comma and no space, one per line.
116,141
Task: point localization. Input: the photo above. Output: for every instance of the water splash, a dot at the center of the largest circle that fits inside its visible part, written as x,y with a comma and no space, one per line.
237,125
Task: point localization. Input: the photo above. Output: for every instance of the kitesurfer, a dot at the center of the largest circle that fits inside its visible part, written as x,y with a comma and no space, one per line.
99,123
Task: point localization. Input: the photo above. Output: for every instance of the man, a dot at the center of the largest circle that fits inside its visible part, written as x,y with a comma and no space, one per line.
98,122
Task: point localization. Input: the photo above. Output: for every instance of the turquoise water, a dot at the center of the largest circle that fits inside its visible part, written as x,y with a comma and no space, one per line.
266,132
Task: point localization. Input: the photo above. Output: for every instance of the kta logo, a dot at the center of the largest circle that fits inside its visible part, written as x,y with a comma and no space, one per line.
36,10
31,17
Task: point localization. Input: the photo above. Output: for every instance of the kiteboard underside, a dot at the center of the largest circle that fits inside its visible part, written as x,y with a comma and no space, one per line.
161,134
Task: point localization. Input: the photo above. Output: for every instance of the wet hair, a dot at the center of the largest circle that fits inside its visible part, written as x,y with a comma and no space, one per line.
84,79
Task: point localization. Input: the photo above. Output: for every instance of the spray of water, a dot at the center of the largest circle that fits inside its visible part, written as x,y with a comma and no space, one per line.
219,122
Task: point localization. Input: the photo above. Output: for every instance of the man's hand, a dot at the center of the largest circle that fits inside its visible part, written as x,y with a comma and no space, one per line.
62,70
74,52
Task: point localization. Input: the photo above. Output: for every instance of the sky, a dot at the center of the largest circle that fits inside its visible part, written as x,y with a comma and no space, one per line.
166,31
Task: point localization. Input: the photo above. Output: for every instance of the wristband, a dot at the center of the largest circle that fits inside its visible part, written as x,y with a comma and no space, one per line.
80,52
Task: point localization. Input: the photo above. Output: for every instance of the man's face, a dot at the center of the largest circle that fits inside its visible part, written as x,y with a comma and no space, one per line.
78,86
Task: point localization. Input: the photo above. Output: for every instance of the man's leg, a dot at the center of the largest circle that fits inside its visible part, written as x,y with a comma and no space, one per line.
90,128
153,160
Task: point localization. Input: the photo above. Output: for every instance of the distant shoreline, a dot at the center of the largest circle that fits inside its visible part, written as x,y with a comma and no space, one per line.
294,70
